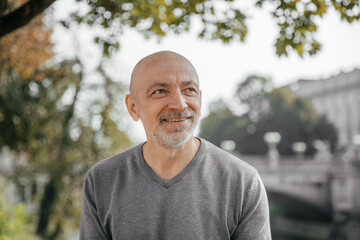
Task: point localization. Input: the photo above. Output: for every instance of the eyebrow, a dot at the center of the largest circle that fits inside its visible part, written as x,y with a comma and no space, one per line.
164,85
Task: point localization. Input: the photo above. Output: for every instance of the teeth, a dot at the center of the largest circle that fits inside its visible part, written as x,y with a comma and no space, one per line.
174,120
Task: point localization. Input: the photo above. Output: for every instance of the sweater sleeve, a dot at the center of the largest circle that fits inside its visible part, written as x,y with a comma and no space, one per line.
254,221
90,224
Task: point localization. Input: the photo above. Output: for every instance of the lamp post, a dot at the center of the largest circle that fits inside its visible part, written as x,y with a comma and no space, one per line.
356,142
272,139
299,148
228,145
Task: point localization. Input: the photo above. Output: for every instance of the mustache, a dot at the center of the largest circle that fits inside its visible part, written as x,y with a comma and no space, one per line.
186,113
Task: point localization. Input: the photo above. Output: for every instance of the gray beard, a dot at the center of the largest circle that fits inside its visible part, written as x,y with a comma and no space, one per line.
176,138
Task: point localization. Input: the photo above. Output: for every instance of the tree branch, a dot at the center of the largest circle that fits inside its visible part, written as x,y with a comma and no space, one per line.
22,15
3,6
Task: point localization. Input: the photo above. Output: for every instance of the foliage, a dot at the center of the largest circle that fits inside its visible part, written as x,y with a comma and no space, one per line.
158,18
56,123
279,110
220,124
252,95
297,22
27,48
15,222
295,120
41,121
221,20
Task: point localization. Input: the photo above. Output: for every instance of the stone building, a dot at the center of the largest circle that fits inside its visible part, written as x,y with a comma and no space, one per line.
337,97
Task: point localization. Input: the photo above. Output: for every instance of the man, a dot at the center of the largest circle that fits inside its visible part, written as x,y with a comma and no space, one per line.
173,186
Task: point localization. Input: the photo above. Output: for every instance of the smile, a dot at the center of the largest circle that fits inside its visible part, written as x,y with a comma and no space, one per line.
174,120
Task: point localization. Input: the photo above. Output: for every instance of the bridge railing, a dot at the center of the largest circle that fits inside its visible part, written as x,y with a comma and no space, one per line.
290,164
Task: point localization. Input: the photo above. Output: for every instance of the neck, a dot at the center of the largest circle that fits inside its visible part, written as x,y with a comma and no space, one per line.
168,162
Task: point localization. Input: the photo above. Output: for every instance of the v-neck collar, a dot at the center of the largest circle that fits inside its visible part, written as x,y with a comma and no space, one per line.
168,183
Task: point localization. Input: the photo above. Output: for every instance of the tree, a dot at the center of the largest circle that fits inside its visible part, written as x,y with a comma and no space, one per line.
277,110
56,124
223,20
220,123
42,121
251,94
296,121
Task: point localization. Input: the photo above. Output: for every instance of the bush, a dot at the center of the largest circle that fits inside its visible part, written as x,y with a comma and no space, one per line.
15,222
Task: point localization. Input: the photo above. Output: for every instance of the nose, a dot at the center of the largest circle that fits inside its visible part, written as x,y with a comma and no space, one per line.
177,101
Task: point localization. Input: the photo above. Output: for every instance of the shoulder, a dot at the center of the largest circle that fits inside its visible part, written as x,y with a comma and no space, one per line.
227,163
115,163
226,171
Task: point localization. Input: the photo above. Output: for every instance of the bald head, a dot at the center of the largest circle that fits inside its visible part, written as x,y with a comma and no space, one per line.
161,59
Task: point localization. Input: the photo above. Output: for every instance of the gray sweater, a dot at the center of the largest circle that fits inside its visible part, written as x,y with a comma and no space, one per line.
217,196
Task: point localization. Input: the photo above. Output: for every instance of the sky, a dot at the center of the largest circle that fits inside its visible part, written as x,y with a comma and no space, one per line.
221,67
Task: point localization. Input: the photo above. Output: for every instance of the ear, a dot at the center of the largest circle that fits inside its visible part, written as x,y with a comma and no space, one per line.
130,104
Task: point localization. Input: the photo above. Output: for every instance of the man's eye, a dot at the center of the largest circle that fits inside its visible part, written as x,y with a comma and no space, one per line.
159,91
191,90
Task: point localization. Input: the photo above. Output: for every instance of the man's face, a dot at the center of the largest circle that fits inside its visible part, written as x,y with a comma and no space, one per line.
167,99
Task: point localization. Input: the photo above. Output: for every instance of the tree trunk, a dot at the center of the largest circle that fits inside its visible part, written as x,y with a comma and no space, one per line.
55,234
53,188
47,205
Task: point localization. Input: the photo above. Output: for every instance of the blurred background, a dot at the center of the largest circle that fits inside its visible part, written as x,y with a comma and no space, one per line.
281,90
